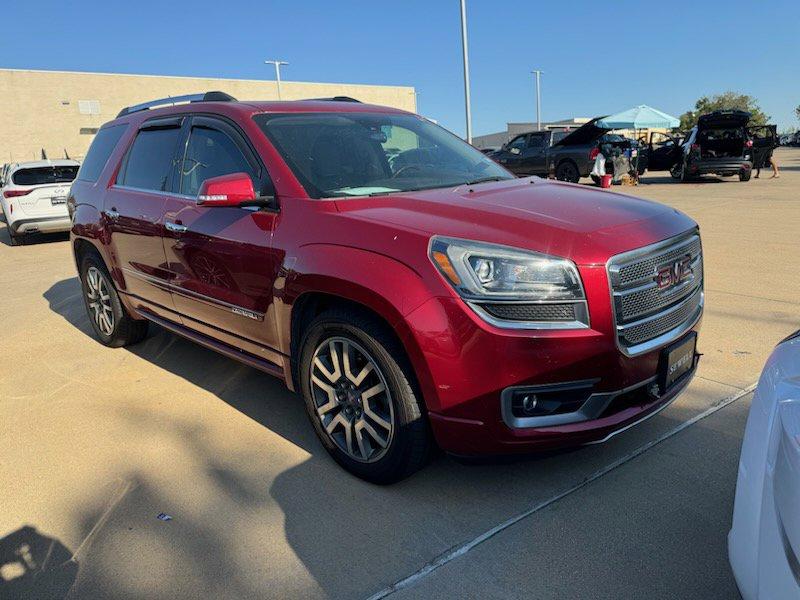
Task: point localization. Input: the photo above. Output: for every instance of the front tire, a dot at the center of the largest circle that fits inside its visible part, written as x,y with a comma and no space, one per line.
568,171
744,175
111,323
361,399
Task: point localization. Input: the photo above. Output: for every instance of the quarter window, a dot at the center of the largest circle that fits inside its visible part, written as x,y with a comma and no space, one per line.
150,159
210,153
102,146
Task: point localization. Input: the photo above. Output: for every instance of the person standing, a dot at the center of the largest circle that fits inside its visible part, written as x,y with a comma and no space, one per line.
769,160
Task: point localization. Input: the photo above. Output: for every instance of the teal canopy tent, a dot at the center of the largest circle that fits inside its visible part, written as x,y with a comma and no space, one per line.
639,117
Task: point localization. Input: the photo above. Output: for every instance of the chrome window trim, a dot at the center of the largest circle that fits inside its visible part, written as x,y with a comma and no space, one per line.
613,266
131,188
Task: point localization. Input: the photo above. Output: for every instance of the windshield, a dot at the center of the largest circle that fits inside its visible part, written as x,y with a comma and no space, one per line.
362,154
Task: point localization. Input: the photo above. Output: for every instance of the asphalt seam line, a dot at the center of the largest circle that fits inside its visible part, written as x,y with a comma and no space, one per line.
462,549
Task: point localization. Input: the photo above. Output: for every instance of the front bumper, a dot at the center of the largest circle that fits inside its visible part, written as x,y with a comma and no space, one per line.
465,365
41,225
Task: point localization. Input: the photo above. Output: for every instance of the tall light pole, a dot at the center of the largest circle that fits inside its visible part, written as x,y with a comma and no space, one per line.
277,64
466,69
538,100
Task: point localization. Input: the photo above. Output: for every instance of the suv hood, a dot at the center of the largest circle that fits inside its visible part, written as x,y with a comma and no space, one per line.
585,134
583,224
724,118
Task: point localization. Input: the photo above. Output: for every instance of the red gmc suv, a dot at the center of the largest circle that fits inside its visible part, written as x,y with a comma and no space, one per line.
409,287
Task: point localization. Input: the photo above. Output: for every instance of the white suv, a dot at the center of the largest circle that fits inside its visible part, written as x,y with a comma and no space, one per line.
34,196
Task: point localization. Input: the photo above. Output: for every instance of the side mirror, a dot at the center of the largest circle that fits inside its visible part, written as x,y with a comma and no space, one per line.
234,189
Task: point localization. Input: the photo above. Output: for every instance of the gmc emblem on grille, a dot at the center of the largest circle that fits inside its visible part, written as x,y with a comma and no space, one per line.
674,273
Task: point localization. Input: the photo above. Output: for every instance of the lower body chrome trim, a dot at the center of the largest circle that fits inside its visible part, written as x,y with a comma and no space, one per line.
165,285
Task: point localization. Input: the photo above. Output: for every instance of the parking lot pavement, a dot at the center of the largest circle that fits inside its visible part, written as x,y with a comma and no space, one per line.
95,443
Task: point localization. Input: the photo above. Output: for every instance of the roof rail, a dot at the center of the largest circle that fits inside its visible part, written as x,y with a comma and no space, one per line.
172,100
334,99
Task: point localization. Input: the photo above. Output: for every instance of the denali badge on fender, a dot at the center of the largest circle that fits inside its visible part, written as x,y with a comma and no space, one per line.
245,313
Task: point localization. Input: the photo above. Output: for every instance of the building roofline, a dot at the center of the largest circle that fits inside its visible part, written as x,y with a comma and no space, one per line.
378,85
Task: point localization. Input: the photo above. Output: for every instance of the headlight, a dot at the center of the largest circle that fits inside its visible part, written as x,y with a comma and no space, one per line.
510,287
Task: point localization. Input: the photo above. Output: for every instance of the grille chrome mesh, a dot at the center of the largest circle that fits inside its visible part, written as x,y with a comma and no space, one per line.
643,268
648,330
643,311
647,301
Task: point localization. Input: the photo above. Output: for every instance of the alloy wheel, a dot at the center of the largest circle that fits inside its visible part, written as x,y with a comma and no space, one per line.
99,300
352,399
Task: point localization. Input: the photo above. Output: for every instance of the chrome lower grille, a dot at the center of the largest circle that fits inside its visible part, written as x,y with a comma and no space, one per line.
656,292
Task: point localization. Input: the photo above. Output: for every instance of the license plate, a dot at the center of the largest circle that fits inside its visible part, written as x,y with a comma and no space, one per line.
58,200
677,360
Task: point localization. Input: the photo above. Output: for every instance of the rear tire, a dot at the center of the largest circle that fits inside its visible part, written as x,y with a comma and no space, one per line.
15,240
744,175
111,323
568,171
382,437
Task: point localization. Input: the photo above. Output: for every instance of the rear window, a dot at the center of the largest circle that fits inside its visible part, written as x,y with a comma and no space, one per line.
150,159
44,175
102,146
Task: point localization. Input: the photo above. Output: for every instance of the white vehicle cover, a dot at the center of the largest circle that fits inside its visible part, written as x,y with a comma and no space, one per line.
764,542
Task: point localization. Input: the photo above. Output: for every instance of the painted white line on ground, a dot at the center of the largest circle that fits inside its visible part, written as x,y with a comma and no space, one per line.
462,549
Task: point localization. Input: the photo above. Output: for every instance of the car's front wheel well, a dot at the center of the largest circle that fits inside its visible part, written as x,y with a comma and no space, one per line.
312,304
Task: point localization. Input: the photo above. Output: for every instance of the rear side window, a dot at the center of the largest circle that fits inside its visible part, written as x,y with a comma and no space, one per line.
150,159
102,146
44,175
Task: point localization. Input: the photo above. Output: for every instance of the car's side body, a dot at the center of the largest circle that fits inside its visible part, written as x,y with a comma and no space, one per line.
34,196
764,541
247,281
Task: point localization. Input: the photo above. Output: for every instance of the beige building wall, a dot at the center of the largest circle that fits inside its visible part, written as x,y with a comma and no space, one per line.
61,110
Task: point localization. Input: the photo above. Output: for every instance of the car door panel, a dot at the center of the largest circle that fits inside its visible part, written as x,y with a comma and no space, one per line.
533,158
221,262
664,151
133,211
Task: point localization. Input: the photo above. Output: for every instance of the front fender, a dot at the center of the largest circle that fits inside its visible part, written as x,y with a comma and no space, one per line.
382,284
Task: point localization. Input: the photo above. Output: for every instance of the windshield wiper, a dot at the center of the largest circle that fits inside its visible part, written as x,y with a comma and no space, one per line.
486,179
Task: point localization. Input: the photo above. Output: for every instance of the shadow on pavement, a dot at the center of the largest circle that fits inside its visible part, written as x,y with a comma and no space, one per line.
34,566
333,536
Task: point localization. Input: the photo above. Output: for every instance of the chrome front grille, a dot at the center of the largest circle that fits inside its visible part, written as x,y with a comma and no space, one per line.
656,292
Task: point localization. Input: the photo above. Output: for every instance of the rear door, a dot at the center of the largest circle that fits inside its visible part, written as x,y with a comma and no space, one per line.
664,151
221,262
764,138
133,211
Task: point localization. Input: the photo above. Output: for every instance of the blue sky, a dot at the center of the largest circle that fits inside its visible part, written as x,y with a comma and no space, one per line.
665,54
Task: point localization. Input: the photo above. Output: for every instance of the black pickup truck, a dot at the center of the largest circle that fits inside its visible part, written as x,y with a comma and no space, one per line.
569,155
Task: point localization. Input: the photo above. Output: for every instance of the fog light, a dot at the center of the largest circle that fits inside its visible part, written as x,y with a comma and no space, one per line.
529,403
547,400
